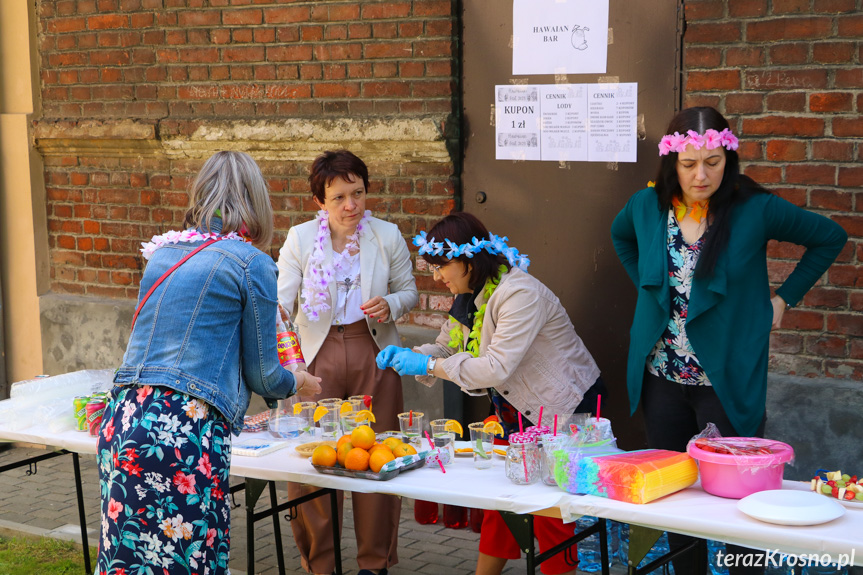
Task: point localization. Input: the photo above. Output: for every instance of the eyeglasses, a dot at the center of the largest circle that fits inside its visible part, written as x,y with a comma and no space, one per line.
434,269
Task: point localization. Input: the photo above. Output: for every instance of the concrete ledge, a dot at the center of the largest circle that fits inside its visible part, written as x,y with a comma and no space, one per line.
821,418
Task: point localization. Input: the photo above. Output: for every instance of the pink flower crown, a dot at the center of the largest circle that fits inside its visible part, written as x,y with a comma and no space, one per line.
711,139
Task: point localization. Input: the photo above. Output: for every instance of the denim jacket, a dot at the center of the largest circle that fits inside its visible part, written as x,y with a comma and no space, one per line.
209,330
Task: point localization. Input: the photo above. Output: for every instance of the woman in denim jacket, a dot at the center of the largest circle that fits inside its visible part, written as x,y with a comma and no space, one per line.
200,344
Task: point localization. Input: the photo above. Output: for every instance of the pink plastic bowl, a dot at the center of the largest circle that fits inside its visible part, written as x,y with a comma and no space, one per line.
736,476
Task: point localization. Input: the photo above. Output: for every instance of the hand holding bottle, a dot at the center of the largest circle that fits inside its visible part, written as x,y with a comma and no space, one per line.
307,384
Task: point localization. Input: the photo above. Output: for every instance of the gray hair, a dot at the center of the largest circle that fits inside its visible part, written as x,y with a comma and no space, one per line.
232,183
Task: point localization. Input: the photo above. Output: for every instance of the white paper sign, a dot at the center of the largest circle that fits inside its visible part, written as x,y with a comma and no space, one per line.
517,122
566,122
559,36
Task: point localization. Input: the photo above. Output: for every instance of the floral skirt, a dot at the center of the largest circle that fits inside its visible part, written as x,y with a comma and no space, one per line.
164,459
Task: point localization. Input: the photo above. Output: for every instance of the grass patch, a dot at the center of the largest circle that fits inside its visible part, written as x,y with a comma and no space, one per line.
45,556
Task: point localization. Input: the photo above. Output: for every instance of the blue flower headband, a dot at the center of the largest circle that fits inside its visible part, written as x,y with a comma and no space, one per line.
495,245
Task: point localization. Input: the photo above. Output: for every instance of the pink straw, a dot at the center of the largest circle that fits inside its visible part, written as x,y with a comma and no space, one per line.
598,401
431,444
520,425
540,416
555,425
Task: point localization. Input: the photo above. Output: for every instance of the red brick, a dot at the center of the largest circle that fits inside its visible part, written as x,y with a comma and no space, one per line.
386,10
248,17
849,324
714,80
784,126
703,57
850,177
830,200
830,102
826,297
851,224
786,342
336,90
773,30
851,127
764,174
784,250
335,32
833,52
243,54
845,275
358,31
338,52
289,53
856,299
786,101
803,320
691,100
826,346
198,18
810,174
401,50
433,8
855,350
749,56
797,53
796,196
790,6
107,21
852,78
851,26
385,70
747,8
708,32
749,151
65,25
794,79
834,6
343,12
832,150
786,150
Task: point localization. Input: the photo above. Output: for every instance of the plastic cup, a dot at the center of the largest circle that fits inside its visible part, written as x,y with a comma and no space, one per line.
550,444
361,399
307,418
411,426
330,423
283,423
482,444
348,422
443,439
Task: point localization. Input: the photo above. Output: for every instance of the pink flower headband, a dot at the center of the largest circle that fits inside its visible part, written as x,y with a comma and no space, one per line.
710,140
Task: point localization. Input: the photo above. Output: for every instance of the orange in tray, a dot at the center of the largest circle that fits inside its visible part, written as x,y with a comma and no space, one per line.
324,455
357,459
363,437
380,457
404,449
343,450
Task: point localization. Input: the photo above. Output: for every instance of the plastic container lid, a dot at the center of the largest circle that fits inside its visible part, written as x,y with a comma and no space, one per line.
781,452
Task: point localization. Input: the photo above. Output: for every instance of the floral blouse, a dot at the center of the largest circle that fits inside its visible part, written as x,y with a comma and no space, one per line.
673,357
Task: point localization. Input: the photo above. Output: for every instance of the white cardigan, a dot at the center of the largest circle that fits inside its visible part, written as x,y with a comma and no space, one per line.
385,270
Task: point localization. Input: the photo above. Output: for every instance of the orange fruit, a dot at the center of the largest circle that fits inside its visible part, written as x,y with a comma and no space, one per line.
391,442
342,439
455,427
379,447
324,455
404,449
363,437
357,459
342,451
493,427
379,458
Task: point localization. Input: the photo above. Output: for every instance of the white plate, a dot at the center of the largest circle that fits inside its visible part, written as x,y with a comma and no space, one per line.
790,507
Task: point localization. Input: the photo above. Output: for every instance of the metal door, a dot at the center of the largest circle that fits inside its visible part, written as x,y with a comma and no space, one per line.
560,214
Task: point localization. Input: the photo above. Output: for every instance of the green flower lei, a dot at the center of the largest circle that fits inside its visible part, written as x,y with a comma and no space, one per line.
456,335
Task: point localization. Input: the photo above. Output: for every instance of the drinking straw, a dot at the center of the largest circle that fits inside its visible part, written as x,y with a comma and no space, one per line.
540,416
520,425
411,418
439,462
598,401
555,426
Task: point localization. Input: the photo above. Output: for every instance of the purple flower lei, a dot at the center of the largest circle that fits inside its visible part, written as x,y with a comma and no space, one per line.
315,294
710,140
190,235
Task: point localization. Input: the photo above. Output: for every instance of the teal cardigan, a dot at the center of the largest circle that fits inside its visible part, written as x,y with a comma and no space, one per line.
730,314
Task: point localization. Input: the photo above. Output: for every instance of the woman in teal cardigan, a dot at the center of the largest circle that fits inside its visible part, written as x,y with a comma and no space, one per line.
695,246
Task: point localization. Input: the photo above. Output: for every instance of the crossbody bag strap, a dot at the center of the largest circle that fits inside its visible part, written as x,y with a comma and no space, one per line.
165,276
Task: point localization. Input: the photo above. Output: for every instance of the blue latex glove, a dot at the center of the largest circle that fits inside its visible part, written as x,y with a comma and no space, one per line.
386,355
407,362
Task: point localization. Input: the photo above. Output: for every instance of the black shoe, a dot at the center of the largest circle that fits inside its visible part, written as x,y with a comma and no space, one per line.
370,572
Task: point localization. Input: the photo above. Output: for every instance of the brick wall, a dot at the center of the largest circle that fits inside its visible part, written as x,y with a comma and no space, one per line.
788,75
128,88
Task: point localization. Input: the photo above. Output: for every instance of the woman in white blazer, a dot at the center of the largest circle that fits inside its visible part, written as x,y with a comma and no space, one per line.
350,275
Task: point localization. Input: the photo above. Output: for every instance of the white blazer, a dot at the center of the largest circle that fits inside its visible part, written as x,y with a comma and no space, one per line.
385,270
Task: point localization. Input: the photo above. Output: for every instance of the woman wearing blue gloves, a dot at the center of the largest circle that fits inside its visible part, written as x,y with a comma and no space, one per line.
507,335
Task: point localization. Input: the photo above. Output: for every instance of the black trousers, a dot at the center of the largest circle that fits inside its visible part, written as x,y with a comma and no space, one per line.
673,414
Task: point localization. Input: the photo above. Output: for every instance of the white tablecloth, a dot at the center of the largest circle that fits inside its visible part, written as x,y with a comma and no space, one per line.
691,511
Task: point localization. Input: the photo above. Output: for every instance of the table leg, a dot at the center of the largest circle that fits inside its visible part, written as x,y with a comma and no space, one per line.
254,488
642,540
337,544
521,527
81,517
277,528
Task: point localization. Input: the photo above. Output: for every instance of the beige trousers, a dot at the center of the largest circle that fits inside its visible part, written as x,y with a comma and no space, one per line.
346,366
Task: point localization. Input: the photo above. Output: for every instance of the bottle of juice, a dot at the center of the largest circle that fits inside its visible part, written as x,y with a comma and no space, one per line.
288,344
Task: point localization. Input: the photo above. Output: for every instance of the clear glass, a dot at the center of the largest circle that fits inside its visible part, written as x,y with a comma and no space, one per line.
361,399
330,423
283,423
443,438
550,443
482,443
307,418
411,426
349,422
522,463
